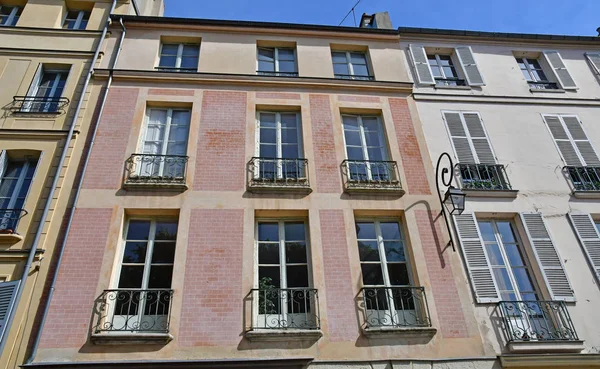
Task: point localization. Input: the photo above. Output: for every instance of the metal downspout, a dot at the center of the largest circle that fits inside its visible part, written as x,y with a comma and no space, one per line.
51,195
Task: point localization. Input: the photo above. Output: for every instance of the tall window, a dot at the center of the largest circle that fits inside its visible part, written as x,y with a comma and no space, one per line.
164,143
179,57
76,19
46,90
534,73
350,65
279,137
9,15
366,148
16,178
145,274
444,71
277,61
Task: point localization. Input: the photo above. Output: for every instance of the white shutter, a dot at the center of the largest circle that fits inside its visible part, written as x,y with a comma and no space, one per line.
3,163
549,261
469,138
589,238
583,145
563,142
476,260
7,299
459,137
594,59
421,64
560,70
479,138
469,66
571,140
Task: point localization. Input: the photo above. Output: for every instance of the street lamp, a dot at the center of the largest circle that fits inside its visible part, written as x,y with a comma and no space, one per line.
454,199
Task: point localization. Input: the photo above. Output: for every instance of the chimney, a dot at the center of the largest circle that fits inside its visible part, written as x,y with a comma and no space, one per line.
598,30
378,20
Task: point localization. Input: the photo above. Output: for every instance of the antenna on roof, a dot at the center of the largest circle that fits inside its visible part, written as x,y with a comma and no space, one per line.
351,11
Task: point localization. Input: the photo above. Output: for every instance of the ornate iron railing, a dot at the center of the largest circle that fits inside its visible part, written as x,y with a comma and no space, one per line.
123,310
273,172
542,85
490,177
584,178
366,174
285,308
174,69
155,169
395,307
355,77
276,74
34,104
450,82
537,321
9,219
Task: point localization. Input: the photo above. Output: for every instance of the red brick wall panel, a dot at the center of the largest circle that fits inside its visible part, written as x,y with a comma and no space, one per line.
357,98
326,163
212,292
170,92
443,285
220,158
341,314
412,161
277,95
68,320
107,160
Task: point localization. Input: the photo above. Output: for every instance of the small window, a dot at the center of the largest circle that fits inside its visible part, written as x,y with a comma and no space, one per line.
276,61
45,93
444,71
16,175
76,19
9,15
179,57
351,65
534,74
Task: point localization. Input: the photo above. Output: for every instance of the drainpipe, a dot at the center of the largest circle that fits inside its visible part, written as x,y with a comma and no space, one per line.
135,8
51,195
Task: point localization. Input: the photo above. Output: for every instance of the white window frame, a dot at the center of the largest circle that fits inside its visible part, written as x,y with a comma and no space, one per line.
78,20
19,186
11,16
439,66
363,142
351,66
35,87
467,133
179,54
530,70
276,59
570,137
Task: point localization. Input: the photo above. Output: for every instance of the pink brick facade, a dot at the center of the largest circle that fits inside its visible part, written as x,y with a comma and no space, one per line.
277,95
326,163
69,315
212,293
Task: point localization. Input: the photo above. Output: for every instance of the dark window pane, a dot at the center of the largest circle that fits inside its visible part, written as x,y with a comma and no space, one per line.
341,69
350,122
375,154
368,251
514,255
355,153
189,62
297,276
372,274
268,276
266,54
138,230
268,232
268,253
352,137
166,231
289,151
268,151
358,58
487,232
394,251
360,70
168,61
295,252
160,276
365,231
267,120
289,136
164,252
339,57
191,50
264,66
398,275
157,303
268,135
523,280
506,231
287,66
135,252
502,279
131,276
390,230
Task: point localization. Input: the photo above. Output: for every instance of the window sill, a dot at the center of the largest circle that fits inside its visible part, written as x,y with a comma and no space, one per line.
130,338
550,90
374,189
586,194
178,187
544,347
452,87
279,335
9,239
507,194
300,187
408,332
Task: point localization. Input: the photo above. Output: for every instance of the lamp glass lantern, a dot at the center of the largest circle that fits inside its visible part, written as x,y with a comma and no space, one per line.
454,200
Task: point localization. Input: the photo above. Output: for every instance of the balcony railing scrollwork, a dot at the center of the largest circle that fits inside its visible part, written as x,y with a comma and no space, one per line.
9,219
584,178
395,307
278,174
483,177
175,69
542,85
276,74
537,321
285,308
450,82
38,104
366,175
354,77
155,170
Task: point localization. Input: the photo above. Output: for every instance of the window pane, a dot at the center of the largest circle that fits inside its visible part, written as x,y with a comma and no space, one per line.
178,133
268,135
450,72
352,138
514,255
191,50
338,57
170,49
394,251
436,71
523,279
368,251
160,276
360,70
371,124
168,61
289,136
286,54
288,120
375,154
267,120
138,230
294,231
365,231
157,116
131,276
289,151
268,232
355,153
350,122
264,66
341,69
390,230
164,252
287,66
398,274
526,75
268,253
135,252
266,54
494,254
372,274
372,138
539,75
505,230
487,231
268,151
358,58
295,252
502,279
269,276
188,62
175,149
297,276
166,230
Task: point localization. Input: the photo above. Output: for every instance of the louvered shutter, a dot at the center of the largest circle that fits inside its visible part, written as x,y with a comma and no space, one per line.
421,64
478,266
470,68
586,150
459,137
3,163
547,256
594,59
589,238
480,141
8,291
560,69
563,142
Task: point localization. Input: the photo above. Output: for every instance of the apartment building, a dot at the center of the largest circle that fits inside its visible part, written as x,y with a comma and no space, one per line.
47,48
518,115
258,195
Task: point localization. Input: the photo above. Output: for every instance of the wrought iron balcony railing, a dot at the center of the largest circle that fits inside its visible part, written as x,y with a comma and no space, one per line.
537,321
395,307
174,69
584,178
285,308
38,105
278,173
487,177
150,169
276,74
121,310
371,175
355,77
9,219
451,82
542,85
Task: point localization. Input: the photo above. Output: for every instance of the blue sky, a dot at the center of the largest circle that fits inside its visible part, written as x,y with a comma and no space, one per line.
565,17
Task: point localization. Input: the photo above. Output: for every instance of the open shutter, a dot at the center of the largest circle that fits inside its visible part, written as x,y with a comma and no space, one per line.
459,137
583,145
469,66
422,68
8,291
480,141
547,256
478,266
560,69
3,163
565,146
594,59
589,238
